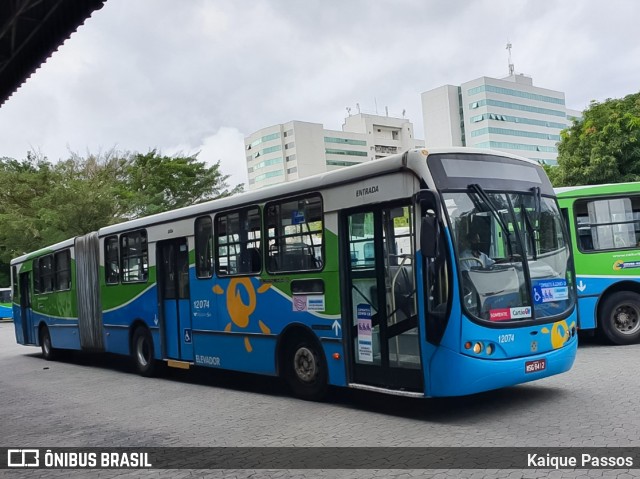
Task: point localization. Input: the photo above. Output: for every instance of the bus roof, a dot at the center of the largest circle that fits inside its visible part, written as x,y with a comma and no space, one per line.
595,190
411,159
45,250
362,171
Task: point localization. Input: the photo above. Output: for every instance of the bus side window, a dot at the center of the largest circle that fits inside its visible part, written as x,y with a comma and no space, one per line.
111,270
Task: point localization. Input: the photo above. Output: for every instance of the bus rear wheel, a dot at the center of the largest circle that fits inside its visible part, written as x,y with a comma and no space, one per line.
306,369
143,356
620,318
48,352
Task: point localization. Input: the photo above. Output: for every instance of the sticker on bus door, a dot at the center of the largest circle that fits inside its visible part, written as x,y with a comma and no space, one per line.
365,344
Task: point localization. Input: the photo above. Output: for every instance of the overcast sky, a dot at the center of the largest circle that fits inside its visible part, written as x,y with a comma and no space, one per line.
188,76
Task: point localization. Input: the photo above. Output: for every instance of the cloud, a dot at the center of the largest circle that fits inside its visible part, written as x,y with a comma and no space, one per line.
226,146
162,73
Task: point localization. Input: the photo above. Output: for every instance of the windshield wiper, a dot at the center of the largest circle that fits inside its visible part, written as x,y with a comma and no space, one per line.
537,197
477,189
529,227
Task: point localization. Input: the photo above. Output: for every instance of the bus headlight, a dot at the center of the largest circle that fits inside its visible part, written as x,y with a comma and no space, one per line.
477,348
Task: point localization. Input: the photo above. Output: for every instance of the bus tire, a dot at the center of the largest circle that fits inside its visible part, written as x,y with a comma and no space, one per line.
305,369
48,351
619,320
142,352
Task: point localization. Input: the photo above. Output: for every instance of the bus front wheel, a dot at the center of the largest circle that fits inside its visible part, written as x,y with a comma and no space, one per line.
620,318
143,352
48,352
306,369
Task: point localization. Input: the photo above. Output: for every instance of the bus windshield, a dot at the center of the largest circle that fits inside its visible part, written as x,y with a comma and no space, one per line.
512,254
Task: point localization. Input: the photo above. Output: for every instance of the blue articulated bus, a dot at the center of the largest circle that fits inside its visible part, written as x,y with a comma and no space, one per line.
427,273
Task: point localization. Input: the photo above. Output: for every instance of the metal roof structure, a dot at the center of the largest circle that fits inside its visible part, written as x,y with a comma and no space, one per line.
30,31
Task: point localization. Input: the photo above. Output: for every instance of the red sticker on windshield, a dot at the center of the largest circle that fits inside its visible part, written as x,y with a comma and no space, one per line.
500,314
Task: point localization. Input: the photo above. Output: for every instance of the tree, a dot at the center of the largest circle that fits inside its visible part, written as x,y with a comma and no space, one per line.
155,183
602,147
42,203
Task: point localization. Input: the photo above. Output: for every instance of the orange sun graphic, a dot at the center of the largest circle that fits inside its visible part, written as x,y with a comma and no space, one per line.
239,311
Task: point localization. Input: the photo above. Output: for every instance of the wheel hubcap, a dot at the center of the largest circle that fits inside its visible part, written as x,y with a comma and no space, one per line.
142,350
304,363
626,319
46,345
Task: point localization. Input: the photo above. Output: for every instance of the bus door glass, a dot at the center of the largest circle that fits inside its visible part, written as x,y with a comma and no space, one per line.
384,338
25,309
173,288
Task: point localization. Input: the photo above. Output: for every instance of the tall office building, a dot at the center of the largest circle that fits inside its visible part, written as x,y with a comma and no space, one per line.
509,114
298,149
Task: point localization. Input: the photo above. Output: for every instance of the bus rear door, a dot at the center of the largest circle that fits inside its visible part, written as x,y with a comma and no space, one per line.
174,298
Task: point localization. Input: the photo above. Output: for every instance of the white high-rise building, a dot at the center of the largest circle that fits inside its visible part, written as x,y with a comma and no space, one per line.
298,149
508,114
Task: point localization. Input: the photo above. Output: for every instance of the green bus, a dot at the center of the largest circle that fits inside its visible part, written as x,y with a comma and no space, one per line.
604,222
5,303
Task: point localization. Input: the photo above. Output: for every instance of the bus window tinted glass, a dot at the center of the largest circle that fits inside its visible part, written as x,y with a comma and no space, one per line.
295,231
63,270
204,247
608,224
134,256
111,268
238,242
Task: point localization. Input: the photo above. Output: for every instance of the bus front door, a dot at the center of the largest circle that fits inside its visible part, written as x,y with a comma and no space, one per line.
174,298
28,331
381,298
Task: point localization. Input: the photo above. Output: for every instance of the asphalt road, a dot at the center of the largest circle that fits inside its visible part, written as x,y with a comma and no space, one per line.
98,401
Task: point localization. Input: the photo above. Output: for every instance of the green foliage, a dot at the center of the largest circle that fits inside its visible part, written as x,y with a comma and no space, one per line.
42,203
156,183
603,147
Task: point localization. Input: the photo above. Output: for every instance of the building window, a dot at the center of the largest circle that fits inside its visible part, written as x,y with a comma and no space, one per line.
518,93
342,163
292,170
288,146
345,141
270,174
330,151
295,234
134,256
62,260
291,158
517,106
238,236
204,247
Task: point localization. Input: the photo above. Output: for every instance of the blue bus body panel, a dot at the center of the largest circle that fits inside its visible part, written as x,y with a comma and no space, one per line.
590,288
186,334
587,311
18,325
117,322
455,374
64,332
171,329
337,368
236,323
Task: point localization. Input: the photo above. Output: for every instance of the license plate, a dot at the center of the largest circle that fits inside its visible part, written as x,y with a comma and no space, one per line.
535,366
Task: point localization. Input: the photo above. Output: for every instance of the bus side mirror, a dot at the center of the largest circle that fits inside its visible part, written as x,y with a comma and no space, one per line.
429,235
